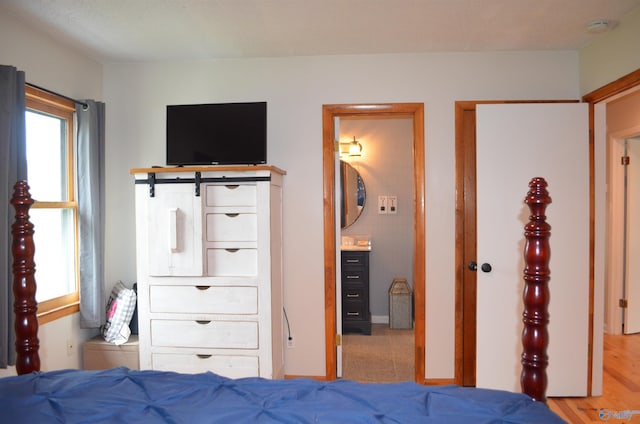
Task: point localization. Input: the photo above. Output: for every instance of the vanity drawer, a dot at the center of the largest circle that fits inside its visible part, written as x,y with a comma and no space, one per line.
359,259
227,262
231,226
354,311
354,293
205,334
204,299
227,365
231,195
350,276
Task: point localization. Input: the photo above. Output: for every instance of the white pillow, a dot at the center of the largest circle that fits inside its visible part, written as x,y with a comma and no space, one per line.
120,307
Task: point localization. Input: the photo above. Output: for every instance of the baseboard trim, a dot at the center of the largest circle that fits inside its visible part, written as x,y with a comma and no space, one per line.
313,377
379,319
438,381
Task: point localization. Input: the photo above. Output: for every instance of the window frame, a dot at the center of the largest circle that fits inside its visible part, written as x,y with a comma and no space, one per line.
50,104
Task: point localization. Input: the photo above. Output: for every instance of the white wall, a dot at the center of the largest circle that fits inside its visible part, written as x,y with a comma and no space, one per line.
296,89
63,70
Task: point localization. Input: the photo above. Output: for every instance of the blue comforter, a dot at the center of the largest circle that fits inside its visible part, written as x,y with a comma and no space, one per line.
120,395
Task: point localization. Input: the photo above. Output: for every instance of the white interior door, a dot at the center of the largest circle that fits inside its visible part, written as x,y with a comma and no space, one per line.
516,143
632,274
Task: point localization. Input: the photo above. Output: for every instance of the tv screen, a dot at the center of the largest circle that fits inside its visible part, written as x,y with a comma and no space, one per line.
217,134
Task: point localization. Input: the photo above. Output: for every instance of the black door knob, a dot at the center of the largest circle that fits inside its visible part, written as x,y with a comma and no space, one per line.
486,267
473,266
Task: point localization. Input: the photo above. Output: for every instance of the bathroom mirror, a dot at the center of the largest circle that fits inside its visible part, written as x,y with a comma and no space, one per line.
352,194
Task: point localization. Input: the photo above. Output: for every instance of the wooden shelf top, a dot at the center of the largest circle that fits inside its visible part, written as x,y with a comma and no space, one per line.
208,168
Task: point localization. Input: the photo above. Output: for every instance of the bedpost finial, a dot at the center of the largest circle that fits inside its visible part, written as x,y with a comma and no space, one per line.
537,192
535,336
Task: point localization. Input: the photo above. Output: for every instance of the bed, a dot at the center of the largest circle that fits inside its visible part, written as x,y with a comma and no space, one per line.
123,395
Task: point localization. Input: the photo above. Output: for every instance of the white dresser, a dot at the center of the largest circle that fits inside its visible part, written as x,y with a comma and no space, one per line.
209,269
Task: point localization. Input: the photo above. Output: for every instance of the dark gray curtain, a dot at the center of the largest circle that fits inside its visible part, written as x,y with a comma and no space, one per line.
13,167
90,196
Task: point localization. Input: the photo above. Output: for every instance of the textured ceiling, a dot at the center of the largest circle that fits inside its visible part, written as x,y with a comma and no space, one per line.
150,30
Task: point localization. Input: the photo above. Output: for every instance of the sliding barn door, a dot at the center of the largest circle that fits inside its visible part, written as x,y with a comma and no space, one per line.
514,144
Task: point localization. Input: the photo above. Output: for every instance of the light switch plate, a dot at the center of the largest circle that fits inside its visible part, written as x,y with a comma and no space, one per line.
382,205
392,204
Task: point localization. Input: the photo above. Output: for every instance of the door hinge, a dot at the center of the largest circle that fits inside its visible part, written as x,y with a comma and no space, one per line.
338,339
625,160
622,303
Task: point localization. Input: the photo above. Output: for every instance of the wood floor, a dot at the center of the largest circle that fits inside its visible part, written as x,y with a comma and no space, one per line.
386,356
620,400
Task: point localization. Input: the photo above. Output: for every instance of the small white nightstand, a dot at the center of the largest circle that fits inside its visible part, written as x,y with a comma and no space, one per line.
100,355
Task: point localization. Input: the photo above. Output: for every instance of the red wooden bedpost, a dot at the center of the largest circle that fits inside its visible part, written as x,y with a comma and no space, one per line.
24,283
535,336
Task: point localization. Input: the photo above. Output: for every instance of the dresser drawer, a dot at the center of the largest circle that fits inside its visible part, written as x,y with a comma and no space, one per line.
231,195
204,299
231,226
227,365
205,334
232,262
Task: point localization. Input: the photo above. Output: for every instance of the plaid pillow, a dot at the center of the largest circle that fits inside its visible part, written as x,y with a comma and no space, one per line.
120,307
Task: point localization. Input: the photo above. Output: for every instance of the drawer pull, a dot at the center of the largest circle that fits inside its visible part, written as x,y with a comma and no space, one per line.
232,215
232,250
232,186
353,295
201,356
353,277
353,314
203,322
203,287
353,261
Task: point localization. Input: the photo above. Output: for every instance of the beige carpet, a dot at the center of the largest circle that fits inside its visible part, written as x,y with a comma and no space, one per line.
386,356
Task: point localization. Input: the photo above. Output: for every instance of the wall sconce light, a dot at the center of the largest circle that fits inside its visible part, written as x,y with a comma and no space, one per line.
352,148
355,148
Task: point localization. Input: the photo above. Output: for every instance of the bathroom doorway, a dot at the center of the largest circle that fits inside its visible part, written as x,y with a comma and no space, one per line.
377,150
331,114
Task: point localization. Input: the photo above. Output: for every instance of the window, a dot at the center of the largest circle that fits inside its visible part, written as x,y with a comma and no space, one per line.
54,214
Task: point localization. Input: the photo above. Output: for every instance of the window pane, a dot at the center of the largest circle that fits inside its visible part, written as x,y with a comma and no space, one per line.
54,257
46,157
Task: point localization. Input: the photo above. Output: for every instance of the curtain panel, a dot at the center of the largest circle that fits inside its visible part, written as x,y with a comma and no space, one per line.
13,167
90,151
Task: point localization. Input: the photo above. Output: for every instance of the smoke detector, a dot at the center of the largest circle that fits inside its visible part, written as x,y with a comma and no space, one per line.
599,26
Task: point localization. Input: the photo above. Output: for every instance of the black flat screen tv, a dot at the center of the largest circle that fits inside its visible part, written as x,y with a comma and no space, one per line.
217,134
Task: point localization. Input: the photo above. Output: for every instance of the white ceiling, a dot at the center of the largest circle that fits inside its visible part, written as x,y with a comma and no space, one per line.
150,30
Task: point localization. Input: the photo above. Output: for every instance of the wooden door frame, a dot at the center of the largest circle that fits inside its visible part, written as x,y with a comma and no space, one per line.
465,191
329,113
622,84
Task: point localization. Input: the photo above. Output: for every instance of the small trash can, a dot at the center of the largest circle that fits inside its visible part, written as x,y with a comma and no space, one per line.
400,304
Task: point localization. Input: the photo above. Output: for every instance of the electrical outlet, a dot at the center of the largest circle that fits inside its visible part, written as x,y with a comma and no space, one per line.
290,343
70,347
